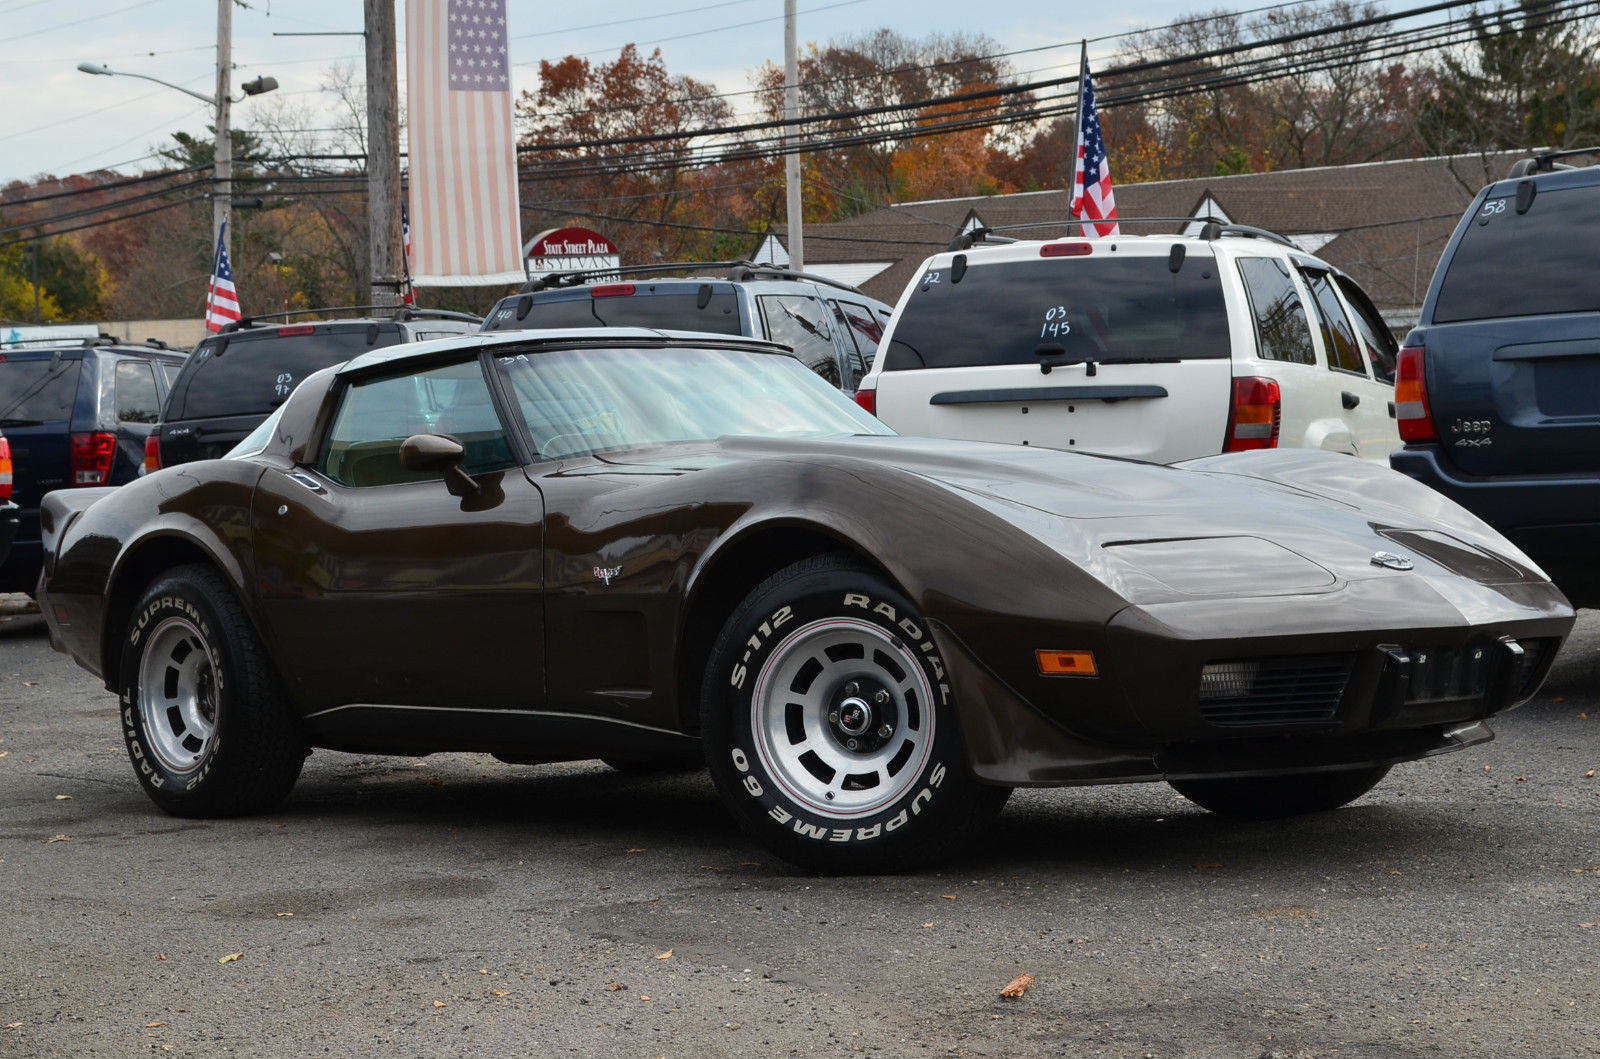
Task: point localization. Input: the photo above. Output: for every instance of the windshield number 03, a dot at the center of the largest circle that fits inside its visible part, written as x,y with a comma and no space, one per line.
1055,322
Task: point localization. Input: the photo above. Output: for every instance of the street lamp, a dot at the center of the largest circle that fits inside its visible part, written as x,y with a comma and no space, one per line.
222,169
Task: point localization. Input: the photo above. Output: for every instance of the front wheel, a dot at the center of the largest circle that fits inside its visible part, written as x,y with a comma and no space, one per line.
829,729
1272,797
206,723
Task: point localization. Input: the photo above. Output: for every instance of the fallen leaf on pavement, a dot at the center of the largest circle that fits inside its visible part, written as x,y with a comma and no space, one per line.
948,897
438,1003
1586,926
664,955
161,955
58,838
615,987
643,997
3,753
13,1025
927,924
63,797
641,849
30,683
711,867
1522,779
1589,775
153,1025
1017,986
285,915
501,992
232,956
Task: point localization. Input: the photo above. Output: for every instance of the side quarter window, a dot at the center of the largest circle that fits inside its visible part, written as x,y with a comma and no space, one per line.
136,397
801,323
1282,330
376,415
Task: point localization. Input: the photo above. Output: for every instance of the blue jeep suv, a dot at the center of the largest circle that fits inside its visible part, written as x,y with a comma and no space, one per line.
76,413
1498,387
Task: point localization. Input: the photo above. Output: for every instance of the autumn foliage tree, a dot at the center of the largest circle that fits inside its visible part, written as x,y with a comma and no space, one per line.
573,170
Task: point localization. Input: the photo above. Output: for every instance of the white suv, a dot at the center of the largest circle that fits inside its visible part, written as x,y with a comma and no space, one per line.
1156,347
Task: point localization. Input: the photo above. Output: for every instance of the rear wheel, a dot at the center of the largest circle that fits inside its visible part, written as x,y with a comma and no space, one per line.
206,723
829,728
1271,797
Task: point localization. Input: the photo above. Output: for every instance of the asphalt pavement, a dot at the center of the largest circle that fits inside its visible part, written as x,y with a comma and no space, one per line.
456,906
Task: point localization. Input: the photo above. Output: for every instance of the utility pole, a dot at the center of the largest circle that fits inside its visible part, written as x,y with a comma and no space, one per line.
383,154
38,317
222,169
791,161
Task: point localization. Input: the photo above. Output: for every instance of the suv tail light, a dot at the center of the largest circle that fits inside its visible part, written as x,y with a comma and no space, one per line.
611,290
1411,411
292,330
1254,416
91,458
868,399
5,469
152,453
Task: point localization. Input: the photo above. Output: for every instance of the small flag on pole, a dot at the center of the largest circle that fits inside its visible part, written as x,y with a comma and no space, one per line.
410,295
222,301
1092,198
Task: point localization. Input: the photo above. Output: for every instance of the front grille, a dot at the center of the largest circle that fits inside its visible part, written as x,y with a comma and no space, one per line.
1536,653
1443,674
1292,689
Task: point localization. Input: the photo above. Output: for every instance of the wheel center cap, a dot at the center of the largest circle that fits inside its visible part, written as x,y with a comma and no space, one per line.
855,716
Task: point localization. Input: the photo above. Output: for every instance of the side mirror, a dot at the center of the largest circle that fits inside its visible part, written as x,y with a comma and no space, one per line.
442,453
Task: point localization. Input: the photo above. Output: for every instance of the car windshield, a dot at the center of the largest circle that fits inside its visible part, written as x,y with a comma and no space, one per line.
257,439
586,400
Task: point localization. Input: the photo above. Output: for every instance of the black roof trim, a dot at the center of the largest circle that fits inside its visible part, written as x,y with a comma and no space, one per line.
1213,228
737,271
394,313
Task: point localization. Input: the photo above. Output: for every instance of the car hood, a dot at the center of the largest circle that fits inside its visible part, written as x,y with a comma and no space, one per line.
1280,522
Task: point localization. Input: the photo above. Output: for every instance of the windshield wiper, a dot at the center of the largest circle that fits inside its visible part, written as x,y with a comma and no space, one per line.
20,422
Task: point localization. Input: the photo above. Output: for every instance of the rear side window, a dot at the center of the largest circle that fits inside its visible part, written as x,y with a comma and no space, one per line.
1104,308
1376,340
136,392
865,329
1282,331
1338,337
1534,263
255,372
801,323
37,390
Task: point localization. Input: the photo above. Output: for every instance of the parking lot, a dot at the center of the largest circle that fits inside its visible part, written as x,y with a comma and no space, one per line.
457,906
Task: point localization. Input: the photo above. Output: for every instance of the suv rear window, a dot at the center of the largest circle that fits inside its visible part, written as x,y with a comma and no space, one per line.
257,370
1511,264
700,307
37,390
1104,308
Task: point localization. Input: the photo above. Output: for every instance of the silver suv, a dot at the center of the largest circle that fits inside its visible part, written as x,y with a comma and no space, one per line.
1152,347
830,326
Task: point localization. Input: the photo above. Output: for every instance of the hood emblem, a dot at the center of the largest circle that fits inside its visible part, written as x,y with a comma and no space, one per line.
606,573
1390,561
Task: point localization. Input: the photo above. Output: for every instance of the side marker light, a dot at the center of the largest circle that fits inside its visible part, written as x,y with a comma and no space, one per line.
1066,663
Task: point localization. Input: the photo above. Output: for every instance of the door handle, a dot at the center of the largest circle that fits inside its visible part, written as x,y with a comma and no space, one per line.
1348,399
1391,411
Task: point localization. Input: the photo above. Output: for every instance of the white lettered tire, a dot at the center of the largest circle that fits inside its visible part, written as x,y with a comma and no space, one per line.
829,728
207,726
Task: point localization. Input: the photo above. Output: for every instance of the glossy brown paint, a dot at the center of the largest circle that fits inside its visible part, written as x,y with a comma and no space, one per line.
549,616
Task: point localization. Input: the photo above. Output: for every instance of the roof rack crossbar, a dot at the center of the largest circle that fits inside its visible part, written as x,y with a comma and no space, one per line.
1543,160
574,277
742,270
399,312
1214,226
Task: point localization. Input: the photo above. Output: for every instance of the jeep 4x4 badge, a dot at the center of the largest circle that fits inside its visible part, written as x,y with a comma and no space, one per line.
1391,561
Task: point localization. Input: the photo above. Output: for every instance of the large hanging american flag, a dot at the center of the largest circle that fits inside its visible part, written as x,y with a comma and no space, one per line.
222,301
1091,178
463,159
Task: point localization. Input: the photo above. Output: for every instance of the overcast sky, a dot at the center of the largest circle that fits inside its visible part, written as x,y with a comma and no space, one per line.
57,120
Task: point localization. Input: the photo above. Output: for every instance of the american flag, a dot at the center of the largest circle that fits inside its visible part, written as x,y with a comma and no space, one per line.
1091,177
410,295
462,149
222,301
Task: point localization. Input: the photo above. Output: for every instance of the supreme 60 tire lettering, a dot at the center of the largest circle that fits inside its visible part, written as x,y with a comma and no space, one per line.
829,727
206,723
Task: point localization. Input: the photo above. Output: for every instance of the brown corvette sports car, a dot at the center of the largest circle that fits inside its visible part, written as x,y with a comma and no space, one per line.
639,546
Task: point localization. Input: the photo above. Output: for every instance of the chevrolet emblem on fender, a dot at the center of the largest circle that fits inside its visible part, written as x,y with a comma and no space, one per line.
1391,561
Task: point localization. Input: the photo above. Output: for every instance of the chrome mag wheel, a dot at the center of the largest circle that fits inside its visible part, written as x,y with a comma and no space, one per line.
177,694
843,717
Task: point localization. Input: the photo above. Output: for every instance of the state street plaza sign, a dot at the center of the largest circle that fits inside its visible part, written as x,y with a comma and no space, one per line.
570,250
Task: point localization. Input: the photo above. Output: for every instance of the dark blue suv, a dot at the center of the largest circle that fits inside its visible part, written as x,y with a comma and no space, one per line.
75,415
1498,386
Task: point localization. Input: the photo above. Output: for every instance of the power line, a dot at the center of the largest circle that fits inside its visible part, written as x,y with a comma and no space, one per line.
111,186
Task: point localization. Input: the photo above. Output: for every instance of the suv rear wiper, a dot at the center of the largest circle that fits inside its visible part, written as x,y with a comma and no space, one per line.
20,422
